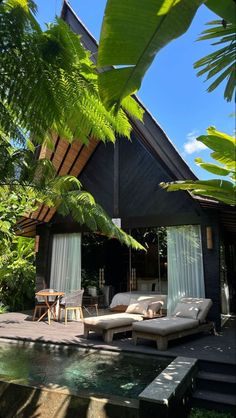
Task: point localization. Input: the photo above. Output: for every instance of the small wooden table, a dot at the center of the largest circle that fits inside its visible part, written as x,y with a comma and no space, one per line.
46,295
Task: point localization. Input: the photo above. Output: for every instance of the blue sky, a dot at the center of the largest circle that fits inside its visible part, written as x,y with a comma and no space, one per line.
171,91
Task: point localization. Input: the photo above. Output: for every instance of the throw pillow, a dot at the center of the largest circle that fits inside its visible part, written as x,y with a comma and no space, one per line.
138,307
186,310
153,308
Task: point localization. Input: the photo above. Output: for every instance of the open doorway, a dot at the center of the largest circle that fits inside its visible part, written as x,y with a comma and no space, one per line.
123,268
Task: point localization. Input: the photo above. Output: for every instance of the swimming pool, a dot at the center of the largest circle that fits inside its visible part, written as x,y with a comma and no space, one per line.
87,370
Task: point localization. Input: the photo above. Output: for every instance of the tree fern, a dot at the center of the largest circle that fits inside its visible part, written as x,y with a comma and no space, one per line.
48,81
49,84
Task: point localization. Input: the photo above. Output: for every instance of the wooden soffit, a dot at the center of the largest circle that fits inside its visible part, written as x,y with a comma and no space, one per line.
68,159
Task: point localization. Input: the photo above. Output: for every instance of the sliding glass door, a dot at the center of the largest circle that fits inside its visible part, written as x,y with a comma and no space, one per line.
147,270
66,262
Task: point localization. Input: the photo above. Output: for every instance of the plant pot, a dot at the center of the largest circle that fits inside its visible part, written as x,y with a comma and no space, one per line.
92,291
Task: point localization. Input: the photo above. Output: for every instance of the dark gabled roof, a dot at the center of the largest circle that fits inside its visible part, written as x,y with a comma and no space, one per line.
151,134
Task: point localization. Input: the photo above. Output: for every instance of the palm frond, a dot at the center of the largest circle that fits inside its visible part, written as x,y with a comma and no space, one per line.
224,152
220,63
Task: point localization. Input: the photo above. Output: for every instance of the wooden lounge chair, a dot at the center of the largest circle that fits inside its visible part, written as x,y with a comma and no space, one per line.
109,325
188,318
112,324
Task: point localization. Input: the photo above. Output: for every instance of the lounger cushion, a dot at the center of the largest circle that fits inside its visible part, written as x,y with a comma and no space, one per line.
165,326
112,321
202,304
186,310
138,307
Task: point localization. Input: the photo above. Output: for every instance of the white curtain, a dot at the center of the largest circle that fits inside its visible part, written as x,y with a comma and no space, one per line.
185,264
66,262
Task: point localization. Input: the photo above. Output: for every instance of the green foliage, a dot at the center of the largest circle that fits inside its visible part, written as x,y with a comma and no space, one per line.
81,206
39,183
132,34
49,83
17,273
14,203
223,146
224,9
3,309
221,63
203,413
224,152
89,279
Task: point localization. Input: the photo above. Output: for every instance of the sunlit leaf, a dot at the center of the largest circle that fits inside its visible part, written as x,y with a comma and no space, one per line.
225,9
132,34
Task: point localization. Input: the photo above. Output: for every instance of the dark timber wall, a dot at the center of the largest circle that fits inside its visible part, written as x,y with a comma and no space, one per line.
130,188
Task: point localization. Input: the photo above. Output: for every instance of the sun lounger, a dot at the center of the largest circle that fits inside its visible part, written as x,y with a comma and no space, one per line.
188,318
112,324
109,325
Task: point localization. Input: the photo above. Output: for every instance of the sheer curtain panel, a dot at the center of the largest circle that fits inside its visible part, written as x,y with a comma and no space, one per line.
185,264
66,262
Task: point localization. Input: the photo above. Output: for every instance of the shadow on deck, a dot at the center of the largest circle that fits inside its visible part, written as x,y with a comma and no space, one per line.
220,348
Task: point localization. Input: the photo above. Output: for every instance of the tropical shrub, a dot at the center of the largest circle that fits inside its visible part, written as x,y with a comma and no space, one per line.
203,413
17,274
3,308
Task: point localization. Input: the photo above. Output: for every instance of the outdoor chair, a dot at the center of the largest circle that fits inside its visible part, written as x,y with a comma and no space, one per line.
41,304
189,317
71,301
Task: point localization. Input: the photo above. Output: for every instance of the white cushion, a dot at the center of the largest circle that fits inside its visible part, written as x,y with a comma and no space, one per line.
112,321
165,326
186,310
139,307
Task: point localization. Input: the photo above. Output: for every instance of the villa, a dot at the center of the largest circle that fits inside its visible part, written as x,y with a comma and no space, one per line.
190,241
183,284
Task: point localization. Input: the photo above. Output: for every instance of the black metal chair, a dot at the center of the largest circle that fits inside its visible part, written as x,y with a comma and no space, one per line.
71,301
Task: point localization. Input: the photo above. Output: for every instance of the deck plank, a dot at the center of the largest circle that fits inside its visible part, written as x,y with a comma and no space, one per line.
221,348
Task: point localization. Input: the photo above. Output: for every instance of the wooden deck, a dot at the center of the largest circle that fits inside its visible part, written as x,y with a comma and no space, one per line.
220,348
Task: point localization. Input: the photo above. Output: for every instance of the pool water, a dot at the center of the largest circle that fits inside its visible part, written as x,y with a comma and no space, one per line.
92,371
